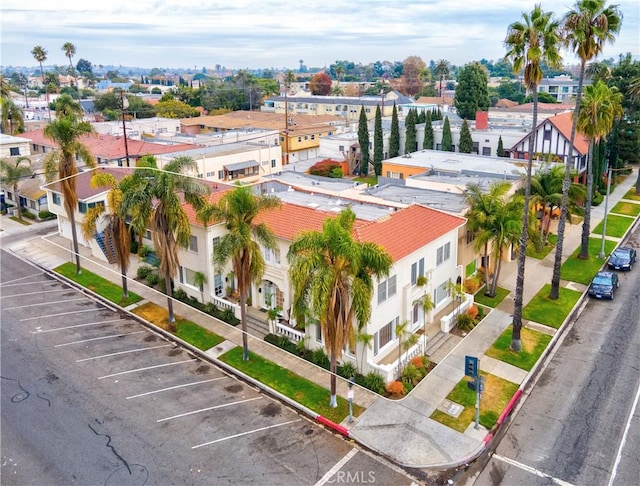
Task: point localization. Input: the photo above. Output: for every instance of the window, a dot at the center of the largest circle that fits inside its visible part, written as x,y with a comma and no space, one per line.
193,244
486,151
83,207
318,332
384,335
56,198
387,289
147,234
218,284
14,151
417,270
273,163
443,253
415,314
187,276
221,174
440,293
471,235
271,256
340,148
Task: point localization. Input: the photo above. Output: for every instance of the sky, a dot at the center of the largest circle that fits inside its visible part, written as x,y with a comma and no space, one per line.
240,34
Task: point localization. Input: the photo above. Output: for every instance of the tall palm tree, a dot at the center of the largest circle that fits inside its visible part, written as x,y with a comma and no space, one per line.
11,173
442,70
66,105
115,230
158,194
600,108
587,28
67,132
425,303
39,53
238,209
69,51
530,43
332,276
339,71
12,117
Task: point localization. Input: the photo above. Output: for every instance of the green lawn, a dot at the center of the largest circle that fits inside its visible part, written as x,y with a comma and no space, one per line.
291,385
497,393
549,312
582,271
372,180
492,302
550,245
631,194
617,226
23,222
533,345
97,284
626,208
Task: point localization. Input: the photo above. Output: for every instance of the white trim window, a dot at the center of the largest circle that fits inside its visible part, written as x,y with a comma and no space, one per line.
384,335
443,253
417,270
387,289
193,244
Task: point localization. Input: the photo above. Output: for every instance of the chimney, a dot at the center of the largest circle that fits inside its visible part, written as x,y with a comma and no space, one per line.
482,120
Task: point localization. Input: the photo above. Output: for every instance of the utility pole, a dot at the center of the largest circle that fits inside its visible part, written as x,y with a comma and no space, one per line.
124,104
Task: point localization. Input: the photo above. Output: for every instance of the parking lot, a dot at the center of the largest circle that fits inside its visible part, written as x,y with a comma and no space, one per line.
169,416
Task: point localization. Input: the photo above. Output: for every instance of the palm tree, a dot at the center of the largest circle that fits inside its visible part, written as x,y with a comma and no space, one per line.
600,108
12,117
238,209
66,132
39,53
69,51
530,43
402,329
155,196
424,302
366,340
442,70
587,27
11,175
66,105
339,71
199,279
116,230
332,276
5,88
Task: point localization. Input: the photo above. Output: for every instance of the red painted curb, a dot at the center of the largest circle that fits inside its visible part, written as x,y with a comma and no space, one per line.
509,407
487,439
337,427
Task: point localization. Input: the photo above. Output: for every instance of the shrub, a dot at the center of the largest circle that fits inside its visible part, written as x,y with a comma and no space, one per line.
228,316
464,322
319,357
28,214
143,271
46,215
144,251
326,168
133,249
374,382
420,362
472,312
152,278
395,388
472,284
211,309
411,375
480,312
347,370
181,295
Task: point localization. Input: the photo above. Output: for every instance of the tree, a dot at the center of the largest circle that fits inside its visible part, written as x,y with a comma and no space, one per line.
175,109
66,132
12,117
410,132
441,71
363,140
424,303
446,144
238,209
366,340
394,136
530,42
588,27
199,279
378,142
11,173
84,67
500,150
465,145
332,276
39,53
115,230
427,143
158,194
69,51
412,68
472,93
599,109
65,105
402,329
320,84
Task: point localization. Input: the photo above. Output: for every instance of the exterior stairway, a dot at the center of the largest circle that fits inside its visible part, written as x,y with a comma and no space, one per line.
105,242
440,345
255,325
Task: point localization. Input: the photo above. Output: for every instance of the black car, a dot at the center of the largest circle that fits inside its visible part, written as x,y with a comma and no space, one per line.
603,285
622,258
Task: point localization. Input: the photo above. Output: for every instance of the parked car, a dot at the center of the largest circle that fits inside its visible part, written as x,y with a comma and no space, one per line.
603,285
622,258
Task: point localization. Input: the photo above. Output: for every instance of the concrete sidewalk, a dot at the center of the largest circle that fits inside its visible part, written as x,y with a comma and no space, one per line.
398,429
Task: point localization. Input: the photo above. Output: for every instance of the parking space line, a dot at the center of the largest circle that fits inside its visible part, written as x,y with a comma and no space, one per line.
175,387
338,465
34,293
224,405
137,350
531,470
31,283
23,278
146,368
94,323
245,433
45,303
99,338
59,314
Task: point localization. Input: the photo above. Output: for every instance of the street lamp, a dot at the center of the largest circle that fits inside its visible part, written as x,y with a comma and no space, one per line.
125,104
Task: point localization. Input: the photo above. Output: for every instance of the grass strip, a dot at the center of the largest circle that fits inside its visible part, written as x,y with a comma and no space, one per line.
582,270
551,312
617,226
487,301
533,345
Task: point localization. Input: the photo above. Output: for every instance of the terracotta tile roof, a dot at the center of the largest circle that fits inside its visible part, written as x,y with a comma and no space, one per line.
563,123
505,103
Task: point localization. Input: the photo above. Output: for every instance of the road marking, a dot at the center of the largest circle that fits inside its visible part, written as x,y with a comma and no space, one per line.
123,352
338,465
52,282
215,407
59,314
45,303
624,438
175,387
246,433
94,323
34,293
98,338
531,470
24,278
145,368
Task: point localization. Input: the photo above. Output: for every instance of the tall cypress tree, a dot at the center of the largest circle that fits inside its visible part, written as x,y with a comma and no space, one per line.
500,151
466,142
377,143
363,140
394,137
410,132
446,136
427,143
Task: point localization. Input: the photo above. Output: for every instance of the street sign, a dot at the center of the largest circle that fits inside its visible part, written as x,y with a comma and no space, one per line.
471,366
